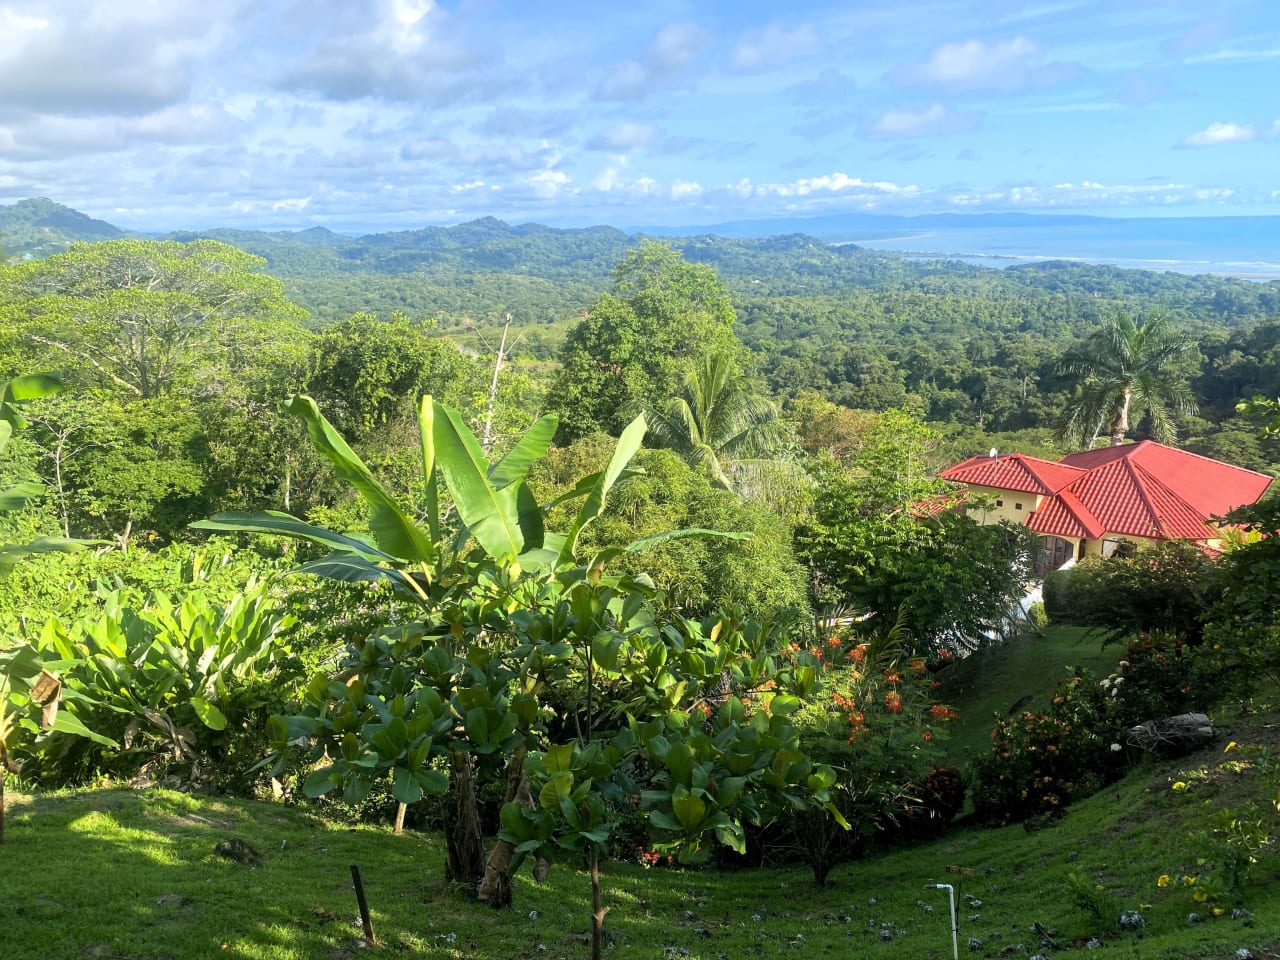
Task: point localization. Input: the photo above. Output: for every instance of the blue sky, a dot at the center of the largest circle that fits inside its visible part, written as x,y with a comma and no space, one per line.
379,114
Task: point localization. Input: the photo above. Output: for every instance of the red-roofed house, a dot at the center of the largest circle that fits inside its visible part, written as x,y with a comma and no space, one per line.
1094,502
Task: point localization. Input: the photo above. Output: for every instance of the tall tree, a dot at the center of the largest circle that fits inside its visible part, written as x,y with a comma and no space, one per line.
632,350
1127,373
716,419
141,316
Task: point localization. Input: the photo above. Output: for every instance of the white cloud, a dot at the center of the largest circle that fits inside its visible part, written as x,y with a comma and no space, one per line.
625,137
936,121
685,189
973,65
674,50
774,46
88,57
1217,133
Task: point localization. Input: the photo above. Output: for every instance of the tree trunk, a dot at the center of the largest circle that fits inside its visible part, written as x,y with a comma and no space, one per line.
598,911
400,809
1120,425
496,887
465,862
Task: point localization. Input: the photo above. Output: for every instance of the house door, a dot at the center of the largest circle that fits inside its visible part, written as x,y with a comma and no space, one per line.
1053,553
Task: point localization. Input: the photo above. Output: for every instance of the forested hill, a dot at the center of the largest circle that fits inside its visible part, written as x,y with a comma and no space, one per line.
40,228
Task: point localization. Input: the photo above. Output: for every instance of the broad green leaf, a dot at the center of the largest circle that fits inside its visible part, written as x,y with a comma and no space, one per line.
319,782
16,497
30,386
433,782
282,524
209,715
66,722
347,568
405,787
394,531
427,438
594,505
658,539
357,789
558,758
783,705
10,554
689,810
533,445
492,516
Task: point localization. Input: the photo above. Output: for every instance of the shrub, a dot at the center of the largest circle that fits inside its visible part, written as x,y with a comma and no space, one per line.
1158,677
935,801
184,688
1040,762
1037,615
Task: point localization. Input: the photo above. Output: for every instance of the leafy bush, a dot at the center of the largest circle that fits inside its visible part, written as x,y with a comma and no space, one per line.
1040,762
935,801
1037,615
879,726
184,687
1166,588
1159,677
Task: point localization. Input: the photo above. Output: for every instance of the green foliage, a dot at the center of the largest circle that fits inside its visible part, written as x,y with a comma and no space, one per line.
879,729
181,686
1126,372
873,544
1164,589
717,421
632,350
1243,628
1040,762
140,316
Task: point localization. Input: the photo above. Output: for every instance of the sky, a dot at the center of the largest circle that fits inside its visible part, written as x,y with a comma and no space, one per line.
386,114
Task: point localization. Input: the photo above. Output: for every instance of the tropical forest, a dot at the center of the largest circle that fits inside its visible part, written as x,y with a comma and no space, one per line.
498,591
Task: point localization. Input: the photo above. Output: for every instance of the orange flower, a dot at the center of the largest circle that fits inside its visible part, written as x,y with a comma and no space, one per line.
891,677
927,736
917,666
833,641
858,653
893,702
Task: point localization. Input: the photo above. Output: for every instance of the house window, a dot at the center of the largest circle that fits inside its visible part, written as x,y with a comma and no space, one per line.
999,503
1017,506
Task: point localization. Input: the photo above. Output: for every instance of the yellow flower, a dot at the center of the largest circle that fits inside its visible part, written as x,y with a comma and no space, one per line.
1218,911
1189,881
1180,786
1163,881
1231,746
1200,896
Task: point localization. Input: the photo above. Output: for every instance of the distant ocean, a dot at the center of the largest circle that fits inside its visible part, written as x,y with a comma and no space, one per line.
1246,247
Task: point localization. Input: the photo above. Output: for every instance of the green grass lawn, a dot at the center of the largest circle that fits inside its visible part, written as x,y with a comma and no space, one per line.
993,680
133,874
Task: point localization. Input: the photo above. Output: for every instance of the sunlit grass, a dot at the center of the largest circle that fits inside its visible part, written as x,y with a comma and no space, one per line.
117,873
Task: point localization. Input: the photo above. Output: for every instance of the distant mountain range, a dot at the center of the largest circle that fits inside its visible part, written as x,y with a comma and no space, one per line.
1241,246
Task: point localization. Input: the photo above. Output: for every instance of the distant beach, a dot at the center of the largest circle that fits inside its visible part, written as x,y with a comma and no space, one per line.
1246,248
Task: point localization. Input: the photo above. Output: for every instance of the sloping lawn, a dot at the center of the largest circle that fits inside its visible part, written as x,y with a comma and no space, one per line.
995,679
118,873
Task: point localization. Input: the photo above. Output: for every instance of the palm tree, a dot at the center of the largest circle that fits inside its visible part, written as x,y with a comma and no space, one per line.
1125,375
716,420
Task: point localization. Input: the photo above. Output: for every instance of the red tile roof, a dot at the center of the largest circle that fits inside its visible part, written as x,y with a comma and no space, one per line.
1211,487
1014,472
1142,489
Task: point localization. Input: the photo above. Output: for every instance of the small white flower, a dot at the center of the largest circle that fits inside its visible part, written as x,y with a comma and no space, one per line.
1116,748
1119,680
1124,664
1104,683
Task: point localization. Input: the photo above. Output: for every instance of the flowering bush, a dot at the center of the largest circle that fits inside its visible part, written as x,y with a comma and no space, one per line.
1158,677
934,802
1040,762
879,726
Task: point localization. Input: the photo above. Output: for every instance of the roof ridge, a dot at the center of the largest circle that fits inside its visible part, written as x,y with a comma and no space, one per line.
1167,491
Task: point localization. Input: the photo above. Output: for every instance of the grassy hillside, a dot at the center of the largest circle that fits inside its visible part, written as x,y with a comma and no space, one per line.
117,873
992,681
